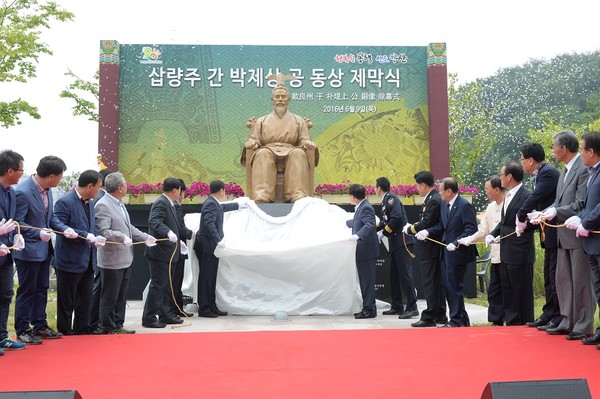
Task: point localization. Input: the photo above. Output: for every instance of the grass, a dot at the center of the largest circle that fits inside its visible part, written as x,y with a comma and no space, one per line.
50,311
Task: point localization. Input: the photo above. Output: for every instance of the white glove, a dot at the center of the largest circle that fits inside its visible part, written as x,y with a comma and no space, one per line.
573,222
18,242
466,241
353,237
550,213
70,234
150,242
581,231
519,226
91,238
4,250
45,235
242,202
221,244
7,227
422,235
172,236
406,227
490,239
100,241
127,242
534,216
451,247
183,249
379,235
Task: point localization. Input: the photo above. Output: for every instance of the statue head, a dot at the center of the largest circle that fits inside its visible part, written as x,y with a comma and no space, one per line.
280,96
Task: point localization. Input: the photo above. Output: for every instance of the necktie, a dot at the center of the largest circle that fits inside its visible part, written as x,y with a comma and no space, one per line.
565,171
44,194
86,208
505,204
534,179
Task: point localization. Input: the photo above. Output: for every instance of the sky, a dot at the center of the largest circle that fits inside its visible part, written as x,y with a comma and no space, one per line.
481,38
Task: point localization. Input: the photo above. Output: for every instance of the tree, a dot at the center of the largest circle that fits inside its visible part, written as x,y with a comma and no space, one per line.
21,22
471,125
79,88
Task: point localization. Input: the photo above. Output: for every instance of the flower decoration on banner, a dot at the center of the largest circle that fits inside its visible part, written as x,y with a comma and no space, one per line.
144,188
195,189
401,190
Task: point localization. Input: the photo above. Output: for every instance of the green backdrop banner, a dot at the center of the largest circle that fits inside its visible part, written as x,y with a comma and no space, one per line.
184,108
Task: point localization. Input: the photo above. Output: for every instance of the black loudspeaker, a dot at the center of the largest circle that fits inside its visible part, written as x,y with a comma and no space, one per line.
40,395
543,389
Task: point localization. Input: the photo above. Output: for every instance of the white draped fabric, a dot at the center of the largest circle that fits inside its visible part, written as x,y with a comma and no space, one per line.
302,263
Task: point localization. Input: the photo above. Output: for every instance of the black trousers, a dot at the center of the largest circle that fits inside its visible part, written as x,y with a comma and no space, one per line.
434,291
401,280
207,282
74,301
113,298
551,309
495,303
157,301
367,270
176,282
517,292
95,317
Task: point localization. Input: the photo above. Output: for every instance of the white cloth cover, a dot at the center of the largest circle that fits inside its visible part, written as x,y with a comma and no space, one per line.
302,263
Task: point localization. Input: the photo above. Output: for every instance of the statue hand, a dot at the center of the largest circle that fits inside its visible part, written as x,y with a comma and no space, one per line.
251,144
309,145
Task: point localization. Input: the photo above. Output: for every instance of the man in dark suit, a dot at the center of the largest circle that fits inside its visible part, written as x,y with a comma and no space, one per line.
428,252
162,223
11,170
75,256
517,251
588,220
210,236
34,209
458,221
178,269
573,274
401,279
545,180
364,233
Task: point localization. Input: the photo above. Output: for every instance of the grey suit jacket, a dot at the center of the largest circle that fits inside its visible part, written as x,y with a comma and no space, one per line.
570,194
115,226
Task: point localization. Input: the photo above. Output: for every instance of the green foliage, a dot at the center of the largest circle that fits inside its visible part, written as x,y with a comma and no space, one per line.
21,22
80,88
69,181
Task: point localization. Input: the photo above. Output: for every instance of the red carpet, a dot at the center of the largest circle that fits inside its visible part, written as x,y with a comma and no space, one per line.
409,363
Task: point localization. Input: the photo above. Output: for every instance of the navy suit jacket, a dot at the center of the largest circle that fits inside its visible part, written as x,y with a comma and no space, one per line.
393,219
210,231
543,196
7,214
73,255
363,225
30,212
458,222
513,249
590,216
161,220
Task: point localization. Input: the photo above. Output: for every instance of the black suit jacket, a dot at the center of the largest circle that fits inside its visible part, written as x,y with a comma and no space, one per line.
186,234
541,198
429,218
161,220
210,231
393,219
513,249
590,216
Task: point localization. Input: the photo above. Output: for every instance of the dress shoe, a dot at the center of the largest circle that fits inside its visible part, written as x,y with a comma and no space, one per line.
171,320
593,340
409,314
366,315
154,324
392,312
219,312
537,323
123,330
208,314
441,321
98,331
185,314
424,323
498,324
357,313
557,331
576,336
547,326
